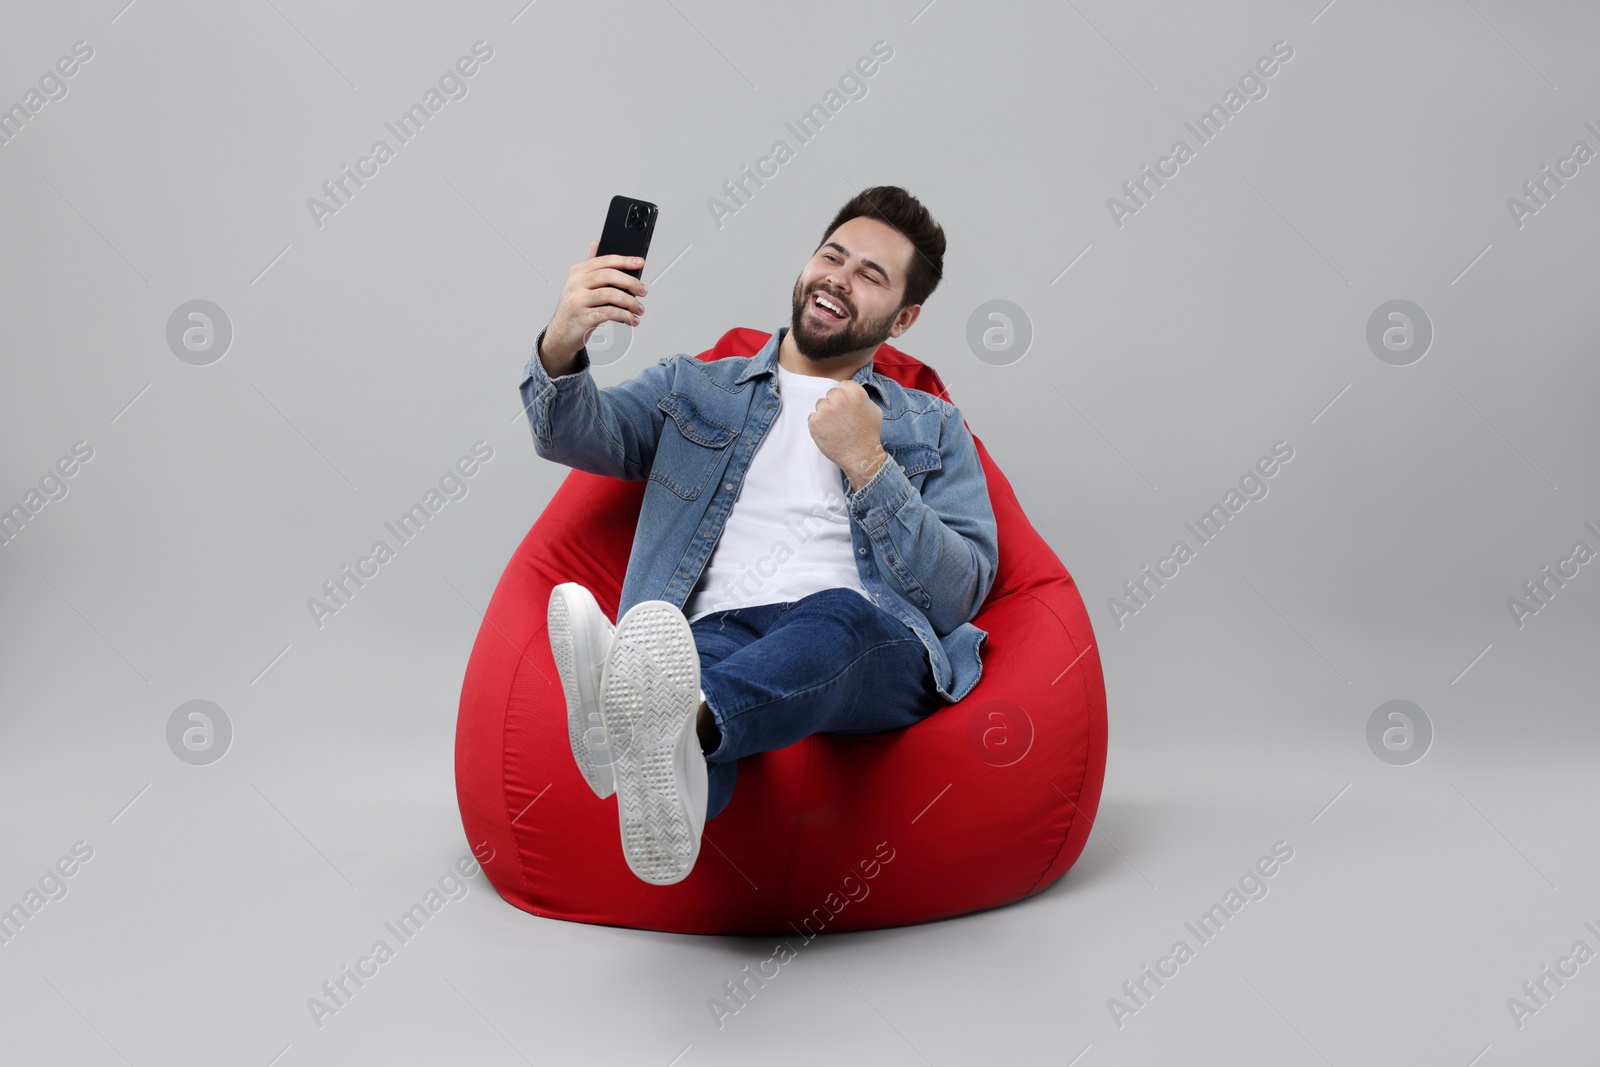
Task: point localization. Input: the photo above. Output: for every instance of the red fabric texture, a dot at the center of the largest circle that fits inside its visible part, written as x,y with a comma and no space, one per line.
985,802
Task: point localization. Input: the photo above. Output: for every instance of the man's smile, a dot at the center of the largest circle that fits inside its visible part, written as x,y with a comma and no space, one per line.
828,308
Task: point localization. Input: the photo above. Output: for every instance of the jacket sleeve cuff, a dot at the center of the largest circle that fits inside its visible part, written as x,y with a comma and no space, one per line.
885,493
539,390
563,383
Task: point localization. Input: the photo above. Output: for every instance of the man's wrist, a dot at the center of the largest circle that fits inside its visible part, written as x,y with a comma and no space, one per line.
553,367
863,472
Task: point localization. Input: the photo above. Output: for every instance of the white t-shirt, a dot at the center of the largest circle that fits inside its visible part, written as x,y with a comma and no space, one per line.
788,534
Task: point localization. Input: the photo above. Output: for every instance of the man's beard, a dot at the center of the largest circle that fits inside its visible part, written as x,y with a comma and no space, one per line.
852,335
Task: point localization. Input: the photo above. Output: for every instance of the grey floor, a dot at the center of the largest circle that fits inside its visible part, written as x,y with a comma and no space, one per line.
1430,886
1418,899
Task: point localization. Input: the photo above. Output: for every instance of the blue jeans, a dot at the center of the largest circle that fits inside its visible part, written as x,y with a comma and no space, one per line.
830,662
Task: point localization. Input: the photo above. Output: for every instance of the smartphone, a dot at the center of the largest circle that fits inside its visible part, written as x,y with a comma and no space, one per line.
629,226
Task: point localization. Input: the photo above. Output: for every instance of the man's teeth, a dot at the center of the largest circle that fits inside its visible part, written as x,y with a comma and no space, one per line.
830,305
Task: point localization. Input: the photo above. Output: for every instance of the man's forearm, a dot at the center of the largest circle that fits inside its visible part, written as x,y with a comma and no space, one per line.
554,365
612,432
940,545
944,563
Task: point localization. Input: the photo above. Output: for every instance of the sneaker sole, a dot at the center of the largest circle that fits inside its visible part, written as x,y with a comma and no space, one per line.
573,643
650,693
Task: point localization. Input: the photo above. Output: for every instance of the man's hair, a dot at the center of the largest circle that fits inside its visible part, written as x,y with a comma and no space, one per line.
893,206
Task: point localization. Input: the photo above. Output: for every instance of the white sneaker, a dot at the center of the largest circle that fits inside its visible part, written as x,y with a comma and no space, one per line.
650,693
580,638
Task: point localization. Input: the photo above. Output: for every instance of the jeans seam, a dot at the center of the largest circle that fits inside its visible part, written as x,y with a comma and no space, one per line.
823,685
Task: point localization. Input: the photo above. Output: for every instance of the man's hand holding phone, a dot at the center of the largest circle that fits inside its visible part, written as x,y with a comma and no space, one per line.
597,290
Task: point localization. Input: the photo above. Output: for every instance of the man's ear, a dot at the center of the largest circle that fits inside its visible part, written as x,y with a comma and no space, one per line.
903,320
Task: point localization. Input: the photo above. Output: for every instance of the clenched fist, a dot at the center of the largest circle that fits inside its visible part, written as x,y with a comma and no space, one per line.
848,427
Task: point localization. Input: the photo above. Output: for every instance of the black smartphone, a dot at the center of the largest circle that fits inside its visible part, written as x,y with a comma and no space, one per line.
629,226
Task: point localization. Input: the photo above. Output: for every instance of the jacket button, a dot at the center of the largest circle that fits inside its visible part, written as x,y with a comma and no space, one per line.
863,551
728,486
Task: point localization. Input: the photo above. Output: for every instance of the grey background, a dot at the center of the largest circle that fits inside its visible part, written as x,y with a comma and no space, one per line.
368,355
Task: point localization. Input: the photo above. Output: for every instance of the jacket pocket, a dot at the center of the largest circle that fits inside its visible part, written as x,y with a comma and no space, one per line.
916,460
692,446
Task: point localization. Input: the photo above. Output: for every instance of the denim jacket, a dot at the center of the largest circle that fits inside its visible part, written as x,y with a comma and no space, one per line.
923,529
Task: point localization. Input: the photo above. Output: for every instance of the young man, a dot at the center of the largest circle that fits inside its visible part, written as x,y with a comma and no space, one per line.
812,546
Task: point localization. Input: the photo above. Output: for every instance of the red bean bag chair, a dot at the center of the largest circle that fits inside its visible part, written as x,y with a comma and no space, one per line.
985,802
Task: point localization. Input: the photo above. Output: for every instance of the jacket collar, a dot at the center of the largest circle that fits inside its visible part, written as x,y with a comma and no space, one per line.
766,361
